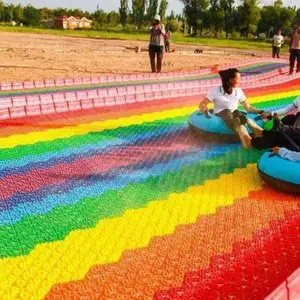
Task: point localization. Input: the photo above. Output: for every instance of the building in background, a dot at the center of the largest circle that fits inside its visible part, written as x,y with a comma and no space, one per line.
66,22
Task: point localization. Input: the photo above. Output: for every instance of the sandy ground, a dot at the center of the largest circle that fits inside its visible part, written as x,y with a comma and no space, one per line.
35,56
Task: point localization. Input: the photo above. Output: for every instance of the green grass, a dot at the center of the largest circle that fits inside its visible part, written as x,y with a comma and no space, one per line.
142,36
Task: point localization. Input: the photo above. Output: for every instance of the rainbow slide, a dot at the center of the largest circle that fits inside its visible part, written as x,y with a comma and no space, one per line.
122,202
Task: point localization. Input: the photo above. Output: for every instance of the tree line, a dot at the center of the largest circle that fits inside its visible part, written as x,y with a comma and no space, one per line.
201,17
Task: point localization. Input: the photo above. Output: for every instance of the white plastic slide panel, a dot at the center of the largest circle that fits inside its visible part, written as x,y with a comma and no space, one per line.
28,85
120,100
57,98
110,101
87,81
39,84
131,90
33,99
18,86
70,96
5,102
6,86
50,83
78,81
47,109
122,91
148,88
81,95
74,105
4,114
112,92
61,107
69,82
140,98
59,82
99,102
130,99
92,94
139,89
33,110
102,93
87,103
18,101
17,112
149,96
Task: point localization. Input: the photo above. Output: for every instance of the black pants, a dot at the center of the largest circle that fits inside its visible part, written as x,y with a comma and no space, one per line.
275,51
167,46
156,51
295,55
233,119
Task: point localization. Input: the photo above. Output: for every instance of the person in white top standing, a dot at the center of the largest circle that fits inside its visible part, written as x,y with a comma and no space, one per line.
226,100
295,50
278,41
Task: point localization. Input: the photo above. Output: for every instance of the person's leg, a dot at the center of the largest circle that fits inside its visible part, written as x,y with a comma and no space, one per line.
232,122
289,120
160,55
278,52
293,56
267,141
152,58
273,51
284,140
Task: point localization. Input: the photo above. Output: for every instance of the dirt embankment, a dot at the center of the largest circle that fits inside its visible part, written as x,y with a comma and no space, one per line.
36,56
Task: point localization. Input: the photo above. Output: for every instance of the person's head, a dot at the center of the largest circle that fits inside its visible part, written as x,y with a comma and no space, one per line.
278,31
230,79
156,20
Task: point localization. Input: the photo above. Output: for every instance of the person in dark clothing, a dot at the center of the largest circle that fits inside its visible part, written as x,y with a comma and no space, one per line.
156,46
295,50
286,133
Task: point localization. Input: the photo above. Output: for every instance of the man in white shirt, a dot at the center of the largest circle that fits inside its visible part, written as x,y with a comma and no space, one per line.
287,154
277,43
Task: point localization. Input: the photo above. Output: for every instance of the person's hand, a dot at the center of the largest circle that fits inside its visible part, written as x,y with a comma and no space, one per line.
276,150
266,114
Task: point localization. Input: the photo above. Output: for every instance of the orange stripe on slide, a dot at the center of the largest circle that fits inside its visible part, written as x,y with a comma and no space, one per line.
162,265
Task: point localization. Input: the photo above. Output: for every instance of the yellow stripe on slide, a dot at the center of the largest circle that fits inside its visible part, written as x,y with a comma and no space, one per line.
52,134
32,276
277,96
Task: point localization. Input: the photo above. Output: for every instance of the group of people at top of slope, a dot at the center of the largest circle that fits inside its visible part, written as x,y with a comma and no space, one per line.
278,41
284,138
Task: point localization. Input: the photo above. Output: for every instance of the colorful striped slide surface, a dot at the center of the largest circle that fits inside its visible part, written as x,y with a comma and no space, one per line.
123,202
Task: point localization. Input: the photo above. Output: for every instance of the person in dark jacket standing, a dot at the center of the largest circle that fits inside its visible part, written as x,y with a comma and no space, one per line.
157,41
295,50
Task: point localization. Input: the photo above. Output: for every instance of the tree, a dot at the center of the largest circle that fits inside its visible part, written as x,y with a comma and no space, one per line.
8,13
250,14
100,17
163,9
138,12
32,16
173,25
228,9
152,9
1,11
216,16
113,18
123,11
194,11
18,14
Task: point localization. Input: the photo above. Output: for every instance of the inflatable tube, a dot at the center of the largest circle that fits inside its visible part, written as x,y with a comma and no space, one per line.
280,173
199,123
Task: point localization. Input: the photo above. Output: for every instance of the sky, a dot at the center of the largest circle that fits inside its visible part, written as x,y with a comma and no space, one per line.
109,5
